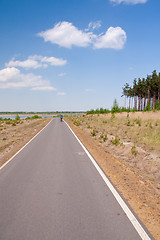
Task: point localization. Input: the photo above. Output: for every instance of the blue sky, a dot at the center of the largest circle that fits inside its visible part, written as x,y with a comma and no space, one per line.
74,55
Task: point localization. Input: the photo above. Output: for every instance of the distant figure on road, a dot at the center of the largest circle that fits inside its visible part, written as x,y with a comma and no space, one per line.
61,117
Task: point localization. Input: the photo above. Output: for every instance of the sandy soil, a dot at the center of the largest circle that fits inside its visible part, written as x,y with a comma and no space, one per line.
13,138
136,177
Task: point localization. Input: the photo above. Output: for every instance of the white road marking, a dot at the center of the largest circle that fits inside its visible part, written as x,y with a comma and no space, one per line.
24,146
121,202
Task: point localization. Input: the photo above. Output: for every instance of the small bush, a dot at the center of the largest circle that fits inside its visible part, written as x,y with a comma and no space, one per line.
35,117
104,121
138,121
8,122
77,123
17,118
105,138
116,141
115,108
133,150
94,133
27,118
112,116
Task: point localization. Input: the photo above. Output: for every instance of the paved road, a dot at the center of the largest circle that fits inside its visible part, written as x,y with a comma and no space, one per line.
52,191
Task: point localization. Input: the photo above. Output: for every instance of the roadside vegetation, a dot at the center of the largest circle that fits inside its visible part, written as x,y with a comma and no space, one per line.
132,137
14,133
142,129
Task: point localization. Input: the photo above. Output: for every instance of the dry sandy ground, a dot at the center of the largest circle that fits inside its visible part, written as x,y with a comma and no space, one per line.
13,138
136,177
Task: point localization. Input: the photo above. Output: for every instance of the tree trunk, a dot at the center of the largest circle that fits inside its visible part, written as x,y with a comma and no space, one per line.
134,101
154,100
139,103
159,92
125,102
148,102
144,103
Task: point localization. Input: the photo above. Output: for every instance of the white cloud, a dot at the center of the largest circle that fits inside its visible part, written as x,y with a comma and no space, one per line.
36,62
8,73
93,25
128,1
54,61
113,38
13,78
29,63
66,35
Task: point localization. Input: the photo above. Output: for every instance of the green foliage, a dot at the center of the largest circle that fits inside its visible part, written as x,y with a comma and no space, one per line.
33,117
94,132
112,116
147,108
133,150
116,141
115,108
138,121
98,111
105,138
157,106
77,123
17,117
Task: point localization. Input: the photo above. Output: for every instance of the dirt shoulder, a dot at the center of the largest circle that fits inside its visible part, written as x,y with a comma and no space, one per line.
14,136
134,186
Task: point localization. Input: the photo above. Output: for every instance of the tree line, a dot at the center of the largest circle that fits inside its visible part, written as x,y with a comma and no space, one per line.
144,94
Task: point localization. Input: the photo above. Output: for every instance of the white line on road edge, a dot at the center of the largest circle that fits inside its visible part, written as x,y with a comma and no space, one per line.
121,202
24,146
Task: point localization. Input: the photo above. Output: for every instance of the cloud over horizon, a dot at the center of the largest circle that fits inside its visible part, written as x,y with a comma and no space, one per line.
66,35
128,1
11,77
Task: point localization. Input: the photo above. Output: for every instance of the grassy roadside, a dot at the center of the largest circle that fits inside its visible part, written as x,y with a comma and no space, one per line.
14,134
133,138
127,149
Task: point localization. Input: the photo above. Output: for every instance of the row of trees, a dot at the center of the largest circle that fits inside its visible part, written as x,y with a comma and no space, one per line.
144,94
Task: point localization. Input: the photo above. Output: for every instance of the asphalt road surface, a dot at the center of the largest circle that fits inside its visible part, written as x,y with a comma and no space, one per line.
52,191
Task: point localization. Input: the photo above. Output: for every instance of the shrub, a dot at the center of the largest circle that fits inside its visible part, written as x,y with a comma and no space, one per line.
94,132
112,116
35,117
115,108
77,123
17,117
104,138
133,150
116,141
138,121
